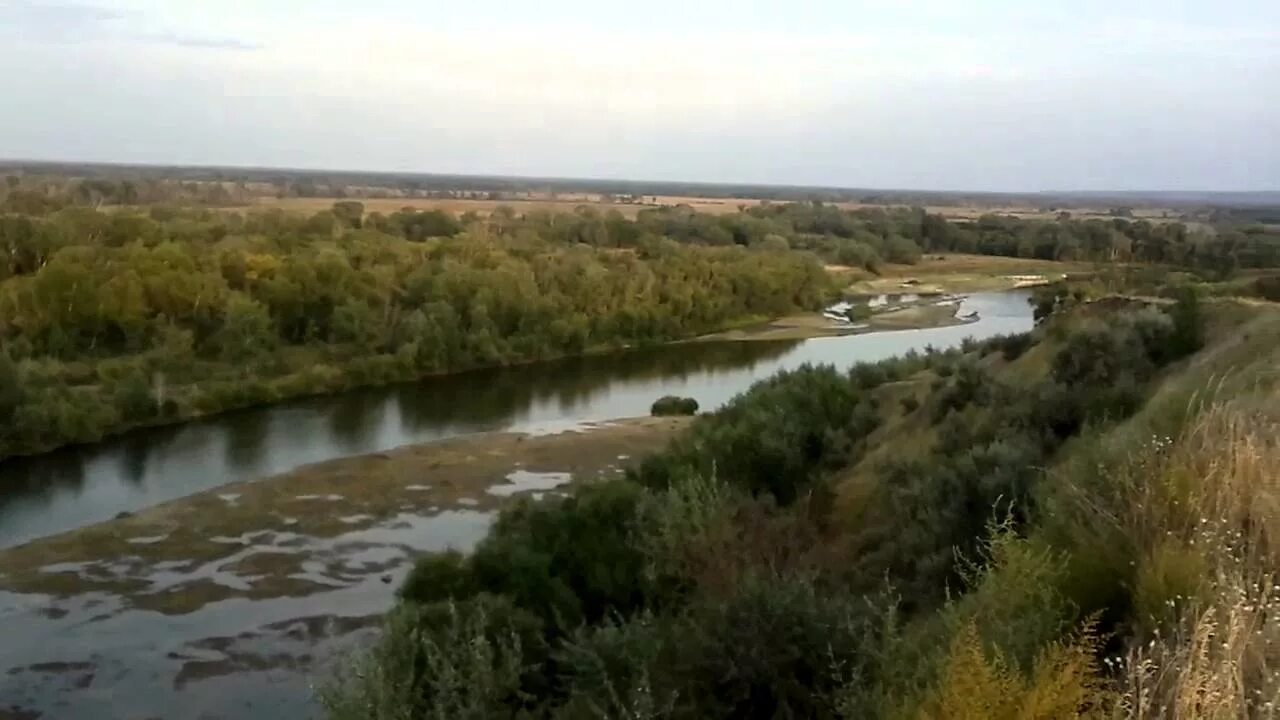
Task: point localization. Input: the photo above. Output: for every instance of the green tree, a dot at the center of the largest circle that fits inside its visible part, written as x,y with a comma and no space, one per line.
349,213
247,330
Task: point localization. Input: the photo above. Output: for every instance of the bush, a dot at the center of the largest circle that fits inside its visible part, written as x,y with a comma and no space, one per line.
1188,325
976,683
576,559
772,439
902,250
673,405
135,399
437,577
1012,346
469,660
616,671
858,254
772,649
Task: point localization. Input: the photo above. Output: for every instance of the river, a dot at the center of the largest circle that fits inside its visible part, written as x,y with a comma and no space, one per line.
70,488
99,654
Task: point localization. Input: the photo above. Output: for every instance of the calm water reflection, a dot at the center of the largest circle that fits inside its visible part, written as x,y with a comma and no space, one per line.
70,488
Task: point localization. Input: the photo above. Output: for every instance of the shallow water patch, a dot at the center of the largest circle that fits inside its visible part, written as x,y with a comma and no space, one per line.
520,481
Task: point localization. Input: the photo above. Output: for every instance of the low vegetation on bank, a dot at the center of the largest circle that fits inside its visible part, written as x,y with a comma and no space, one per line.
1083,526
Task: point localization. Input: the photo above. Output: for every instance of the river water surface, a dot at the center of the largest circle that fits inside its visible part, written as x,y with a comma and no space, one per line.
70,488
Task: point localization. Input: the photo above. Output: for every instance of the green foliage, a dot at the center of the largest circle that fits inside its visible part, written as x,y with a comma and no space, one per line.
442,661
134,397
247,330
902,250
857,254
617,670
1012,346
772,439
673,405
771,649
566,560
240,310
1188,324
437,577
577,559
349,213
992,440
11,393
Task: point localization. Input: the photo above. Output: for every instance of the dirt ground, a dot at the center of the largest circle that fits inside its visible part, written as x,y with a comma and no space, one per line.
957,273
926,314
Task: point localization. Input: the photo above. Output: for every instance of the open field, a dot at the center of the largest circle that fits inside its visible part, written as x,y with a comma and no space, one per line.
629,207
954,273
528,202
457,207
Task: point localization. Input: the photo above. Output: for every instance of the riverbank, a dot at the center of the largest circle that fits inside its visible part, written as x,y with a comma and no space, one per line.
238,594
225,389
920,314
958,274
323,500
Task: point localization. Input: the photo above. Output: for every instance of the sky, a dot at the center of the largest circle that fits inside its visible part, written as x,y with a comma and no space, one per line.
1000,95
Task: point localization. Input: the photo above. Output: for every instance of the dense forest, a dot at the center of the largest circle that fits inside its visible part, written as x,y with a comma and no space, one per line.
150,313
113,320
1077,530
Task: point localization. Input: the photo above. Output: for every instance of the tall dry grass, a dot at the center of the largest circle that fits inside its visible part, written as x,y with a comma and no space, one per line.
979,683
1200,514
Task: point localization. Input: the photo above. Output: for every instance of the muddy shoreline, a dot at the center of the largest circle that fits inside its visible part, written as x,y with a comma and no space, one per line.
245,593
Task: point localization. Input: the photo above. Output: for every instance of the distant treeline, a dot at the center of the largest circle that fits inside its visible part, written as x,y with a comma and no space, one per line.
210,184
863,237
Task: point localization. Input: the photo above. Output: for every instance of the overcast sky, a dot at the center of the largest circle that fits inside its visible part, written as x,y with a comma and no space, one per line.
939,94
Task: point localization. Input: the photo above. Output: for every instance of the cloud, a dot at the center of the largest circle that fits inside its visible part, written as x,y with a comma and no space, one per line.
61,21
69,22
1019,96
197,41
